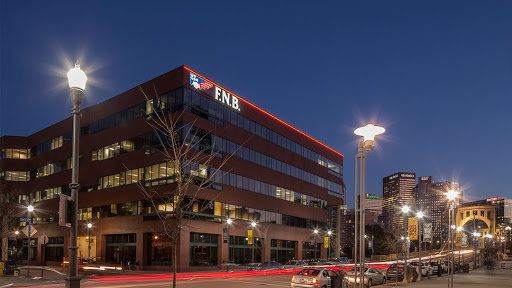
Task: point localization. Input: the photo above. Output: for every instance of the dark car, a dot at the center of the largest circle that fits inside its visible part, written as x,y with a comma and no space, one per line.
393,272
270,265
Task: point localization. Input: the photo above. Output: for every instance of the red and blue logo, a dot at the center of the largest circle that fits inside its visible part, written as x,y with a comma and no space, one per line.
199,83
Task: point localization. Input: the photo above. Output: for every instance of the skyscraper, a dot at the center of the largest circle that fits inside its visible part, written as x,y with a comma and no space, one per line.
398,190
431,199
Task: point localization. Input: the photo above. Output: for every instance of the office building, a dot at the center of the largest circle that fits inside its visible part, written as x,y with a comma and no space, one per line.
398,191
278,176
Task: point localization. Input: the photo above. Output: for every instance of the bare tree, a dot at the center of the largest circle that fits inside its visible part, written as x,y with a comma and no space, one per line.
8,212
195,165
262,229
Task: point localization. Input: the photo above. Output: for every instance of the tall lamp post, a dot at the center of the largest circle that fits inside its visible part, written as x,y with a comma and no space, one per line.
329,233
460,229
89,226
229,221
77,80
253,225
451,195
314,246
420,215
405,211
30,209
368,133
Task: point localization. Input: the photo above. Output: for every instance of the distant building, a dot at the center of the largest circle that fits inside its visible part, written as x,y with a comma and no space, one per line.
398,190
431,199
373,203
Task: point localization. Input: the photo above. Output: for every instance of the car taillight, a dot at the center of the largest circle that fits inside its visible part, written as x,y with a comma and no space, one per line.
314,280
401,270
293,278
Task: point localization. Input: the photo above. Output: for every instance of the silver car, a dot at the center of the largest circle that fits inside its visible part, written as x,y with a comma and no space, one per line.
294,264
371,276
318,278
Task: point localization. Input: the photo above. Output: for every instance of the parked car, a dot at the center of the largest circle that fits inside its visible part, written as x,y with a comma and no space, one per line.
426,269
270,265
371,276
318,277
393,272
338,261
318,263
294,264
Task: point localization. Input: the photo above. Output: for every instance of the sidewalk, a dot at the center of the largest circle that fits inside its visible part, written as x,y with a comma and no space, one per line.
479,278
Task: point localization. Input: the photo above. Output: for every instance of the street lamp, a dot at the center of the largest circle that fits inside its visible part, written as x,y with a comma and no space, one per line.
420,215
451,195
366,143
253,225
89,226
460,229
314,246
77,80
30,209
329,245
229,221
405,211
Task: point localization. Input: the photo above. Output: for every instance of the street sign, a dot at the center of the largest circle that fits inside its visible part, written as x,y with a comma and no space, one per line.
413,228
249,237
326,242
427,232
464,241
24,219
225,235
32,231
42,239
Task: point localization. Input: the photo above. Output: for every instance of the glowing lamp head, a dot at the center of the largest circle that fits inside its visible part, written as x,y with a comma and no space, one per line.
459,229
17,232
89,225
369,131
156,237
402,237
420,214
253,224
329,233
229,221
453,226
316,231
508,228
488,236
30,208
476,234
77,77
451,195
405,209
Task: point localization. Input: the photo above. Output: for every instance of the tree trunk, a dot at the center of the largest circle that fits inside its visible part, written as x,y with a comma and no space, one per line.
5,237
175,264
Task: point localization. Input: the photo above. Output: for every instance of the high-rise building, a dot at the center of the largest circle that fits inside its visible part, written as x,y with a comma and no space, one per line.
373,203
431,200
398,190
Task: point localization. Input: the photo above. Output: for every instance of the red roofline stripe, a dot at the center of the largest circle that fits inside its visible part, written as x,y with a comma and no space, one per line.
265,112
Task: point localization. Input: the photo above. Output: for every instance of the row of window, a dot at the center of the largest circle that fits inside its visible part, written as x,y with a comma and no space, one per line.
53,168
15,153
52,144
15,175
215,209
475,212
113,150
164,173
194,100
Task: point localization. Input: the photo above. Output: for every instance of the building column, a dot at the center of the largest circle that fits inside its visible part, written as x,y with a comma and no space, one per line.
139,250
183,250
298,250
337,233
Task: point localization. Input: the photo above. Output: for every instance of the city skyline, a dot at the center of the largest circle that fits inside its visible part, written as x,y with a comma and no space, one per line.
422,75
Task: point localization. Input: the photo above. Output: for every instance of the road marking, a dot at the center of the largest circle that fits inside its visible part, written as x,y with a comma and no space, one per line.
6,285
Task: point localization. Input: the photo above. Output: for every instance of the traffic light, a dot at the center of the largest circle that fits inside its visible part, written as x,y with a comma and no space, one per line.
65,208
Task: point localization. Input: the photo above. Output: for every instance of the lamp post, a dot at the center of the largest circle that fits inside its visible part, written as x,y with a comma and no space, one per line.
507,238
475,235
460,229
89,226
314,246
405,211
229,221
329,245
30,209
368,133
451,195
253,225
77,80
420,215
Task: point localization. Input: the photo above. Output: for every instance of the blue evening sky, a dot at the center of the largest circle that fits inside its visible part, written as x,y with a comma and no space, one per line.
436,74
